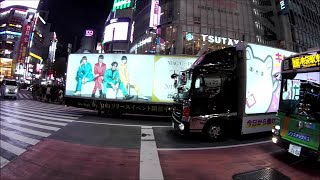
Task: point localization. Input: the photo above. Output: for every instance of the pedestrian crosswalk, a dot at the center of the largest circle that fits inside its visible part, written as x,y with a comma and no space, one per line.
24,96
25,123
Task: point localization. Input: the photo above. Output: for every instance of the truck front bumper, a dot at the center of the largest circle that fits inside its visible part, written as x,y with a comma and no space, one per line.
305,152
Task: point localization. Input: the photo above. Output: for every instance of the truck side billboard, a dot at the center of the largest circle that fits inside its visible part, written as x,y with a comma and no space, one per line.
124,77
262,88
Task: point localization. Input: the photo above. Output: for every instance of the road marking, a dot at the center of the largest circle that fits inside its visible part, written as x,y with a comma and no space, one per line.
11,148
52,113
36,114
3,162
113,124
212,148
18,137
32,119
150,168
11,120
26,130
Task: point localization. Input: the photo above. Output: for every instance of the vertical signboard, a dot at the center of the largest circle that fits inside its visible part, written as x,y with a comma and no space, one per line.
25,37
155,14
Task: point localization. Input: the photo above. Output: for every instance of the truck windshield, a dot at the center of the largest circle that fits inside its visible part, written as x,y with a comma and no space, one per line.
185,85
301,95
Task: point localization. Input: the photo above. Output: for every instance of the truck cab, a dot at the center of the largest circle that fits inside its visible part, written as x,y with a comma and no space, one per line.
203,90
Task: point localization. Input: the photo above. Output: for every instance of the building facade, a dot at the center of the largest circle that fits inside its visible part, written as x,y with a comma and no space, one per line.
301,24
196,26
23,43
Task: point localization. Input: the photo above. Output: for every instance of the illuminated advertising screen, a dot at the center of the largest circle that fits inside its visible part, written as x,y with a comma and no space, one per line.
116,29
27,3
155,13
122,4
127,77
262,88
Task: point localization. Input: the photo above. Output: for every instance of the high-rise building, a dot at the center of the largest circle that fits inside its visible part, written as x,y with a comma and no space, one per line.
196,26
23,42
300,24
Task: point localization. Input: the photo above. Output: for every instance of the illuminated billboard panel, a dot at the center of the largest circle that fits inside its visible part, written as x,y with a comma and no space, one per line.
143,78
262,88
27,3
116,30
155,14
122,4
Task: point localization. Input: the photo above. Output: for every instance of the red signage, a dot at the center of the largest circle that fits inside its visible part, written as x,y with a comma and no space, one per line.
25,37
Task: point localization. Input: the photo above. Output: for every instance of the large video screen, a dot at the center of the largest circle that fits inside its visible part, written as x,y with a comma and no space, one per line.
28,3
128,77
120,27
262,86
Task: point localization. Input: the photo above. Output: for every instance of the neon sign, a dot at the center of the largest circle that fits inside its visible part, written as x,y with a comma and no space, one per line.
306,61
89,33
121,4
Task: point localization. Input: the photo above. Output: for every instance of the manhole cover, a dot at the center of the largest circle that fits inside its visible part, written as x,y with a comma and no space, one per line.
262,174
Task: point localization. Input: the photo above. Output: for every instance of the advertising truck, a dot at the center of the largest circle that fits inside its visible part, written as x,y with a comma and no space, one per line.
123,83
297,126
229,90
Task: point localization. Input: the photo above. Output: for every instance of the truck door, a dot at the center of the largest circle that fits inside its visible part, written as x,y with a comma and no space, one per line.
199,99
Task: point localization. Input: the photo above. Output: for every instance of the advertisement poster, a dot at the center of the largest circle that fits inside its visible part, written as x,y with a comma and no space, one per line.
255,124
262,87
127,77
25,37
165,66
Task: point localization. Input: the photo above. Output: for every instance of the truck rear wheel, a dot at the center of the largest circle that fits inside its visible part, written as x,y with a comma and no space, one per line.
213,132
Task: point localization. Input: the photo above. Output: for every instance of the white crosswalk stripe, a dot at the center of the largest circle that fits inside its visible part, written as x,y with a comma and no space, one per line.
3,161
25,123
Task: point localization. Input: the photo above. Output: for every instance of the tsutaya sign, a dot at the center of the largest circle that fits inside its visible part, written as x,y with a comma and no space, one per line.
219,40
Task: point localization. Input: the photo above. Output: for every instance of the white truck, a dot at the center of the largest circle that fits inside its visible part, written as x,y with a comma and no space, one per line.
230,90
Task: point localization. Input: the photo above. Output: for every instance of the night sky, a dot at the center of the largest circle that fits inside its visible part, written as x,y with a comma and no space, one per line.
70,18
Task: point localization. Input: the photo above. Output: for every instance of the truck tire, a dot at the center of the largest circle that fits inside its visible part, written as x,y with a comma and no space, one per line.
213,131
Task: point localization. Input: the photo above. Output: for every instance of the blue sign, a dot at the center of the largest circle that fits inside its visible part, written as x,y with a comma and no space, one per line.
299,136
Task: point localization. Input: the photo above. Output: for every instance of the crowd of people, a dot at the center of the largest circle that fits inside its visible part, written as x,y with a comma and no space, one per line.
48,93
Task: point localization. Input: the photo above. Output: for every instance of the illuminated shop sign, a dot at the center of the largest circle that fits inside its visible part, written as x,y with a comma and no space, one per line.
141,43
121,4
214,39
283,6
306,61
10,32
89,33
219,40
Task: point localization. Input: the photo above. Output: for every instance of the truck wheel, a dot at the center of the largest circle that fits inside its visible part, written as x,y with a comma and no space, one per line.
213,132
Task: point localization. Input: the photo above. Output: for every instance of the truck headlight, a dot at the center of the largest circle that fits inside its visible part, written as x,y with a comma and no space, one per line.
274,140
7,90
181,127
16,90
